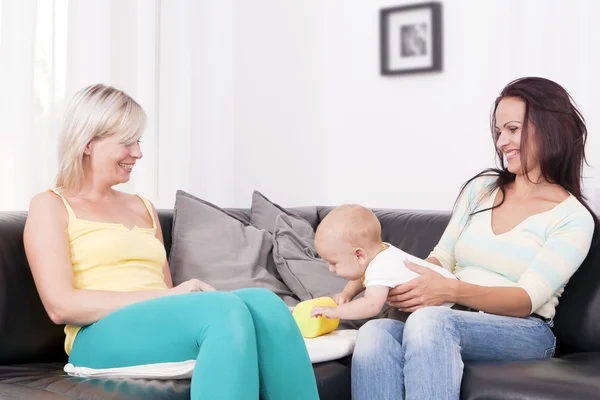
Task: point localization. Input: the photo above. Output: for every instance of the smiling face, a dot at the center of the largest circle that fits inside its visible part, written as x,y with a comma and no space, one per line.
99,138
511,141
110,161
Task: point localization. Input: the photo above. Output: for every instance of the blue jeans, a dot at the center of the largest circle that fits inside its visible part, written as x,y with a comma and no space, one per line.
423,358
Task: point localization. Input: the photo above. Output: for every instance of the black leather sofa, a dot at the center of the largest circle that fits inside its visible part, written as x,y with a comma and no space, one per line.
32,356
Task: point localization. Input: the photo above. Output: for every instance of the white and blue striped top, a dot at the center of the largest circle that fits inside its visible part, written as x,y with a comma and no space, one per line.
539,255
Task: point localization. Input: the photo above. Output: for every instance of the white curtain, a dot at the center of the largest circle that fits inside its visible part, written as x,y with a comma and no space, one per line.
264,94
49,49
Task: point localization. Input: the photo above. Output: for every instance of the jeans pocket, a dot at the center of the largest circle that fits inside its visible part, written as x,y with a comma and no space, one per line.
550,352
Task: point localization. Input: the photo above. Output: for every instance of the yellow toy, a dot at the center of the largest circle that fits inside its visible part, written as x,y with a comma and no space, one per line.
311,327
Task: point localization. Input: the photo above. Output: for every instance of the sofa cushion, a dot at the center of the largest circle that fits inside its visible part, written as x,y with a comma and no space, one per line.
47,379
16,392
264,212
215,246
565,378
333,381
49,382
298,263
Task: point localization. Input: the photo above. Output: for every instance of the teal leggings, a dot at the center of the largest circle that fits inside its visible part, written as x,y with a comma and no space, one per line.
244,342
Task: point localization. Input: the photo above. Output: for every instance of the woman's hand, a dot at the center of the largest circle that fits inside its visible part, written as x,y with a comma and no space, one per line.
429,289
193,285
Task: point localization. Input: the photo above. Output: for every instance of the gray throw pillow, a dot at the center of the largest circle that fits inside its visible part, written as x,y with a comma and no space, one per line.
219,248
263,214
298,263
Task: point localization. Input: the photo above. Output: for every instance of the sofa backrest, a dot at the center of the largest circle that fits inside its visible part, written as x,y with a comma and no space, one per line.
577,321
26,332
28,335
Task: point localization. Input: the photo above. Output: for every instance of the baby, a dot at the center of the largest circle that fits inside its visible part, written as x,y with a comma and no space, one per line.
349,239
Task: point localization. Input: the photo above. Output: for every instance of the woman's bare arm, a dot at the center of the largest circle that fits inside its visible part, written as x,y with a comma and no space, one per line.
433,289
510,301
47,249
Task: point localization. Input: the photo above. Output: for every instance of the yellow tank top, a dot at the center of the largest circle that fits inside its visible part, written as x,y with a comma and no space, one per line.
112,257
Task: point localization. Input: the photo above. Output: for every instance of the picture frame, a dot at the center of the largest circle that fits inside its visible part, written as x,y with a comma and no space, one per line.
410,39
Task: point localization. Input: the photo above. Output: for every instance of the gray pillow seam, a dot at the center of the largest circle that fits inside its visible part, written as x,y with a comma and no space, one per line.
288,269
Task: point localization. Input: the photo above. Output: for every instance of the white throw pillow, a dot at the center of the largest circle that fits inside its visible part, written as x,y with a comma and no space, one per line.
333,346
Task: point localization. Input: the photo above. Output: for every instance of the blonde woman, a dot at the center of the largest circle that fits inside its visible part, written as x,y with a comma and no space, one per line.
99,263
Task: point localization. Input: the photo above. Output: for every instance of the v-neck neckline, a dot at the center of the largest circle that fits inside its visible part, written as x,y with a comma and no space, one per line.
493,198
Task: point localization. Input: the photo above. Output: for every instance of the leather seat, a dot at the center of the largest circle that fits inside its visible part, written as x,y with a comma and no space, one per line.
566,378
49,382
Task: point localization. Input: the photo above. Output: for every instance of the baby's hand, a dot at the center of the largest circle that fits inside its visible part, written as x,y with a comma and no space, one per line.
328,312
341,298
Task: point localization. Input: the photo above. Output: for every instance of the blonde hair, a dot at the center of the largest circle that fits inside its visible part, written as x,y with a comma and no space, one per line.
95,112
355,224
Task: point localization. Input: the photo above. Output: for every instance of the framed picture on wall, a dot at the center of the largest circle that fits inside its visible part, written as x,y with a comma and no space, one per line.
411,38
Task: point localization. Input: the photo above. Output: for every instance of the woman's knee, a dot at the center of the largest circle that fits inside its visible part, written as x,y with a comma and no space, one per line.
268,310
428,324
219,307
377,336
262,302
225,317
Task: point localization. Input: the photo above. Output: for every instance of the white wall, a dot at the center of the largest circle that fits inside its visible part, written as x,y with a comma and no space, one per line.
279,100
285,96
316,123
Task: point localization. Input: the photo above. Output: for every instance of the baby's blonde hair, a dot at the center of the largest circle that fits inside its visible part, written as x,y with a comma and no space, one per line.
95,112
352,223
